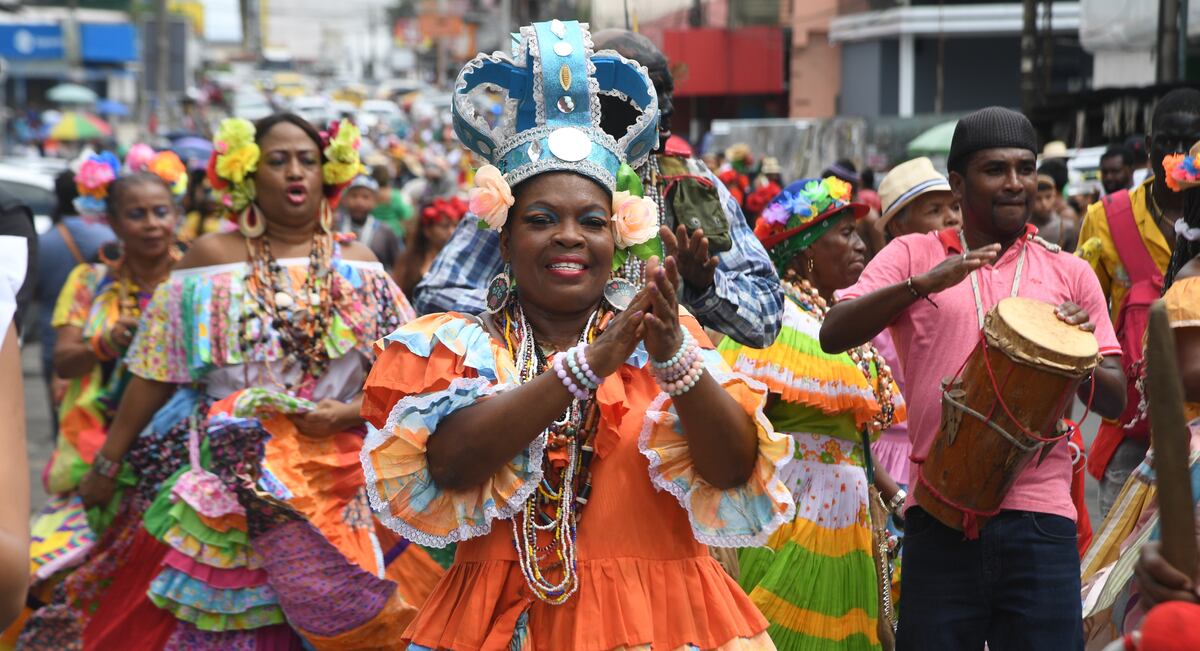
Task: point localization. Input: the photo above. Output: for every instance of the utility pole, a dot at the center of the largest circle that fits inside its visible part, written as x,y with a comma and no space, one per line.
1047,46
162,65
1167,66
1029,56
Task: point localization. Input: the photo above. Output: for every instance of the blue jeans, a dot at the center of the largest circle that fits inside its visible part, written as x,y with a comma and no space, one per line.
1015,588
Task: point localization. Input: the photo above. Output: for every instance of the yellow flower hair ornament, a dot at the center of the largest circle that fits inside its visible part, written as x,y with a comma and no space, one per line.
233,163
342,162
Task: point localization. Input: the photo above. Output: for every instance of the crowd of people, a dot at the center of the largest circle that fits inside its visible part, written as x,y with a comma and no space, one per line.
303,402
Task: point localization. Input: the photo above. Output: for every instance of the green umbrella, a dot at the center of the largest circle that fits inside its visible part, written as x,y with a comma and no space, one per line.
71,94
935,140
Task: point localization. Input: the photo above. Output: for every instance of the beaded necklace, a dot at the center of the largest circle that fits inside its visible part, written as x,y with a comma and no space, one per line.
301,322
129,289
864,357
555,508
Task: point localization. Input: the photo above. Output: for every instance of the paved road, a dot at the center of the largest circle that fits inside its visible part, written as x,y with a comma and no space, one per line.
37,416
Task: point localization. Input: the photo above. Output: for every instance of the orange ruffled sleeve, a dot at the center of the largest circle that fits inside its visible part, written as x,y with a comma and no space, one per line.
739,517
429,369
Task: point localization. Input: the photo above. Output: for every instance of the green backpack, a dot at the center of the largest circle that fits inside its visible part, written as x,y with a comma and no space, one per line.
694,200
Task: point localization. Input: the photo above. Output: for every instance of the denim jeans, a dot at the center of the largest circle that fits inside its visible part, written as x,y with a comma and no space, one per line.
1016,587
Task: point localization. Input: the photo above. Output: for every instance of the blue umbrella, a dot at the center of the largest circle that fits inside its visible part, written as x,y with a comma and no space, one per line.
112,107
193,150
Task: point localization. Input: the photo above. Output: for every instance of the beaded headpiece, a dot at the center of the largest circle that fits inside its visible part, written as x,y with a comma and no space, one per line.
551,115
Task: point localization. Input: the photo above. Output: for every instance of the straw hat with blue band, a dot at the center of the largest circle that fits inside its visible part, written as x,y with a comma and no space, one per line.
906,182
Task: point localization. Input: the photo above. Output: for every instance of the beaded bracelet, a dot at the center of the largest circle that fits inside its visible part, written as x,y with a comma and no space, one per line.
102,348
684,370
680,369
685,383
684,347
560,368
583,379
106,467
580,352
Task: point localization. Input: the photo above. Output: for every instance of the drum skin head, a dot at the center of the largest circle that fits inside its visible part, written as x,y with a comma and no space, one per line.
1036,331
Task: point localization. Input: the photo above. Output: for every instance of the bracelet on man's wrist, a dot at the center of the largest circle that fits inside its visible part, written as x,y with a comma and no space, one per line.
911,285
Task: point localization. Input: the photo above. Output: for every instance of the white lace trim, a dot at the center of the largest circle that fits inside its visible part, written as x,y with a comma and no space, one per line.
684,496
480,387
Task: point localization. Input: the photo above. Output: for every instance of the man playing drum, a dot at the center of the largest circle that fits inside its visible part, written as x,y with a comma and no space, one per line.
1014,583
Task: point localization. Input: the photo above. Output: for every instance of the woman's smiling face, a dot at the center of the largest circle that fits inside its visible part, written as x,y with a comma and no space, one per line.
559,241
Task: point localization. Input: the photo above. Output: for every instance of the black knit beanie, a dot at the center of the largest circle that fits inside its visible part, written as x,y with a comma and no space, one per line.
989,128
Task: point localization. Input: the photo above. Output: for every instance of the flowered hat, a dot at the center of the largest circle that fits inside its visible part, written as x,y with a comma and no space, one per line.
1183,170
801,214
551,122
95,175
443,208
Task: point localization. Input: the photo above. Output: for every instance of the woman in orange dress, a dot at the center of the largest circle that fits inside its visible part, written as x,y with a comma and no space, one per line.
582,441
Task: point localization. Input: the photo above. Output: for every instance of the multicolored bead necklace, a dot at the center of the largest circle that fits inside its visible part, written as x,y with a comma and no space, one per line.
864,357
300,321
554,509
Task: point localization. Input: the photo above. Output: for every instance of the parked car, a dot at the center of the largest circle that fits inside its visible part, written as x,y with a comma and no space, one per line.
32,185
251,106
316,109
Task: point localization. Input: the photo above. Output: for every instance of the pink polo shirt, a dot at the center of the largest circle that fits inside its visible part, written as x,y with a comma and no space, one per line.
934,342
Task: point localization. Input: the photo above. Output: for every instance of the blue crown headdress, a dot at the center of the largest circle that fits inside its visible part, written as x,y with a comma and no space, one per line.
551,115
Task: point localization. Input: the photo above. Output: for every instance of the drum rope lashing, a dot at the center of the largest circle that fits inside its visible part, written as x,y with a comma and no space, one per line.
987,362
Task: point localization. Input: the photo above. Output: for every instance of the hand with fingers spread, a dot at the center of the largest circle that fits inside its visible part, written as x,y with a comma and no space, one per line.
1075,315
663,333
697,267
954,269
620,337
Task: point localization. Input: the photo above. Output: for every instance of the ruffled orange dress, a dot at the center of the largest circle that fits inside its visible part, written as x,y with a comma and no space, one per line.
646,579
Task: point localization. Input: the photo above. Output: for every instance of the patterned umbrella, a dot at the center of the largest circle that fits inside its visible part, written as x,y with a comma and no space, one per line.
80,126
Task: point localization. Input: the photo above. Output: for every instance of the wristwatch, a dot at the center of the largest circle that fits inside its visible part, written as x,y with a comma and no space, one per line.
895,504
106,467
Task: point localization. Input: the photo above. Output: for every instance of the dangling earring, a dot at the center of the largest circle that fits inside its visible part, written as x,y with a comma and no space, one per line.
500,290
619,292
250,223
810,266
112,263
326,219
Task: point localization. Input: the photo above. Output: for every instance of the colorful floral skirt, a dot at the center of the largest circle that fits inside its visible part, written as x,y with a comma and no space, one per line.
223,545
815,580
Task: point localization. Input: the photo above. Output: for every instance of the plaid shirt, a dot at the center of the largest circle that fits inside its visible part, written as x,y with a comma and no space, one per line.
744,301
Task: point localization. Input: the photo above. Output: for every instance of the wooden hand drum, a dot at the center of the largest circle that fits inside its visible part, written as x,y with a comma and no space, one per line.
1002,409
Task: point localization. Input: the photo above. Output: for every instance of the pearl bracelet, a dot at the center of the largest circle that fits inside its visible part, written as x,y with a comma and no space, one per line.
684,347
560,368
677,376
576,361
